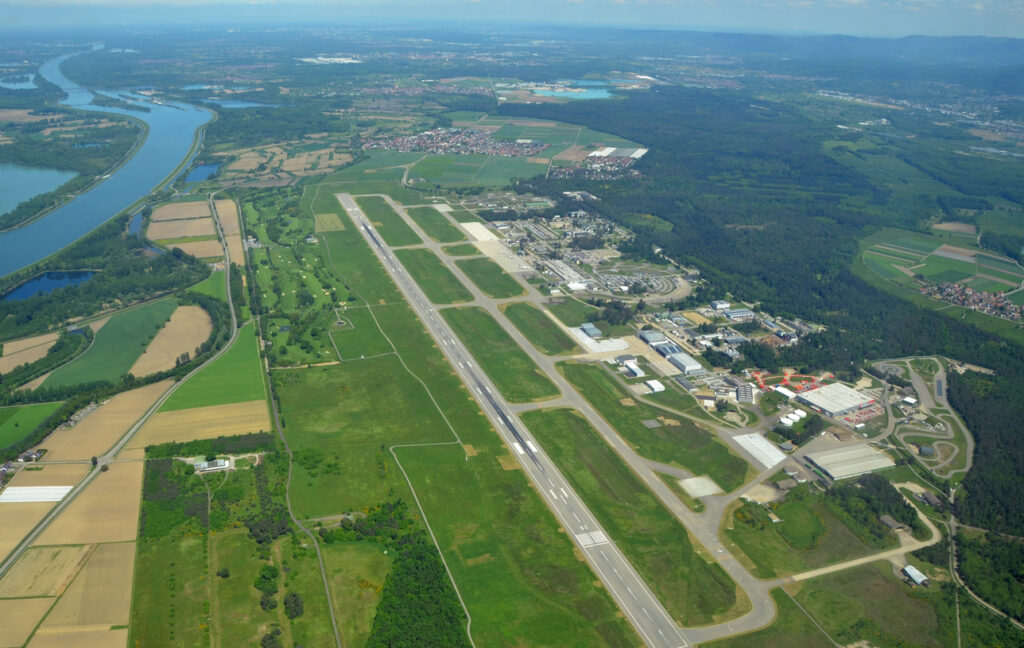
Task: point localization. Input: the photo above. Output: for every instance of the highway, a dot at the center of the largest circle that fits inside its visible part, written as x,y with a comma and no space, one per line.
650,619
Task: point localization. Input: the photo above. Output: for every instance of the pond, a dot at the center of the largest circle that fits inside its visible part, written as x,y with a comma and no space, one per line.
47,283
30,84
202,172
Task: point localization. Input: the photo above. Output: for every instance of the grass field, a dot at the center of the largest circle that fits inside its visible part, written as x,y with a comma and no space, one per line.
389,224
465,249
361,337
116,347
464,216
355,572
513,372
572,312
475,170
539,329
790,628
235,377
17,421
808,537
694,591
212,286
161,584
490,278
437,281
871,603
435,224
677,441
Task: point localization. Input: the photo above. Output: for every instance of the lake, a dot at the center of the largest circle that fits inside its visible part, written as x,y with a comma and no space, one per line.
47,282
239,103
589,93
19,183
172,130
20,85
202,172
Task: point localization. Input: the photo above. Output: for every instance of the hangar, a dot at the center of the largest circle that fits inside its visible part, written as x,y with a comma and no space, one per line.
835,399
850,461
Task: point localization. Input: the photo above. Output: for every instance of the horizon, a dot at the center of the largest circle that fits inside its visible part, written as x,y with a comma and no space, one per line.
853,18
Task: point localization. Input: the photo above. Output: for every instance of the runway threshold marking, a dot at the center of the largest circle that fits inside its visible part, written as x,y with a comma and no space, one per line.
592,539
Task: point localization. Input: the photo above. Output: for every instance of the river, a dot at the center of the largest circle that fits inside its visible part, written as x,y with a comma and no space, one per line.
172,130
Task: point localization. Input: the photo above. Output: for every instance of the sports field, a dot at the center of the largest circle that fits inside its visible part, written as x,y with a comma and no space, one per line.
515,375
678,441
490,278
116,347
539,329
435,224
694,590
235,377
388,224
437,281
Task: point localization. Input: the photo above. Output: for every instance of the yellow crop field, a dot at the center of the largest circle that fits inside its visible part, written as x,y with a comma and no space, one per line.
51,475
696,317
203,423
102,591
106,511
19,518
227,214
20,618
15,346
180,228
188,327
80,637
44,571
201,249
182,211
97,432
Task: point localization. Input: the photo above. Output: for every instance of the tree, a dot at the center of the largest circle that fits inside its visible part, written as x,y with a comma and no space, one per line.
292,605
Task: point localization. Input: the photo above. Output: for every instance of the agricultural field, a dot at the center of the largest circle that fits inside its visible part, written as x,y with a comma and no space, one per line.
677,442
388,223
539,329
17,421
809,536
694,591
896,255
118,344
475,170
25,350
187,328
235,377
213,286
227,216
515,375
113,497
95,434
207,422
434,278
181,211
490,278
435,224
283,163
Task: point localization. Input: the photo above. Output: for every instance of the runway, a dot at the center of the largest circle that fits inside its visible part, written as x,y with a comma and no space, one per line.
650,619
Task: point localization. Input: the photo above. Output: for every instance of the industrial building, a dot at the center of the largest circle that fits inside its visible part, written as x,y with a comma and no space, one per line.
739,314
835,399
685,384
592,331
850,461
745,394
667,348
652,337
686,363
720,304
655,386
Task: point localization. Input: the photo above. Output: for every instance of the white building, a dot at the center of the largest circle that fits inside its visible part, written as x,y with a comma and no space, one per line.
655,386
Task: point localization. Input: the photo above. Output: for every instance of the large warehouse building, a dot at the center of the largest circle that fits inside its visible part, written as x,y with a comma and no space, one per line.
686,363
835,399
850,461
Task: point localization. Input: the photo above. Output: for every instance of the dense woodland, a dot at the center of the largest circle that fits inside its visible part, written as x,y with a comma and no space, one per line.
993,567
719,163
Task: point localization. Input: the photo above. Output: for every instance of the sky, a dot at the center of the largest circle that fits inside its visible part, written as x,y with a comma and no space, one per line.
891,18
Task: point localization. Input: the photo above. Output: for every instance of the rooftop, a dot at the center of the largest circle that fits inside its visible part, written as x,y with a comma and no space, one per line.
850,461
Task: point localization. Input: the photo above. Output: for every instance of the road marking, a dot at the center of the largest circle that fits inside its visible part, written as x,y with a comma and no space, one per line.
564,494
529,444
631,592
553,496
576,516
646,613
519,448
592,539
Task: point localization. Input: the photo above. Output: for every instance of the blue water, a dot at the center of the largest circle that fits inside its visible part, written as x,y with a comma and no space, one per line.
46,283
20,85
239,103
19,183
172,129
202,172
596,93
135,226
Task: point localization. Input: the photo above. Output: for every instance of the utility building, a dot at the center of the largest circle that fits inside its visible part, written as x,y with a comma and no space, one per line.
850,461
835,399
686,363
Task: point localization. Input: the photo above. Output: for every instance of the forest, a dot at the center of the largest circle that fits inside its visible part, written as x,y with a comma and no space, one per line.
717,163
